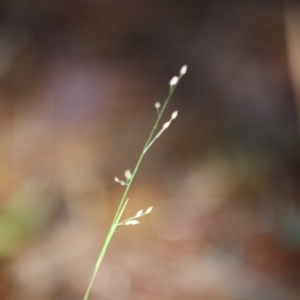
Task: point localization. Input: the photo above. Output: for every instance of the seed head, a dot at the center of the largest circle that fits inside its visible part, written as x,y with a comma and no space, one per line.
128,174
139,213
166,125
132,222
183,70
173,81
148,210
174,115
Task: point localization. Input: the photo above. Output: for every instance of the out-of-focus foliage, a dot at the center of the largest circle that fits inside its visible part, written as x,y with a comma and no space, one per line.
22,216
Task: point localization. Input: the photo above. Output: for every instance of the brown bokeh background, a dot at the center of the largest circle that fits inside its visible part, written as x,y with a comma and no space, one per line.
78,83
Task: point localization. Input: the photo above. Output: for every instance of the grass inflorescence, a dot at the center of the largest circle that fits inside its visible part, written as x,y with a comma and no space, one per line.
129,177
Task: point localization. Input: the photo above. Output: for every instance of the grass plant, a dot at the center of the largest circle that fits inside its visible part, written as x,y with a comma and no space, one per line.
129,177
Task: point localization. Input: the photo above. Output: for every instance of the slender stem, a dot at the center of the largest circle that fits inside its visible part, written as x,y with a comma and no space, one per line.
100,258
172,89
123,203
102,253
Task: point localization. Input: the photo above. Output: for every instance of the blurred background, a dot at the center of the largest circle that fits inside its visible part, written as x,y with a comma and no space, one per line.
78,83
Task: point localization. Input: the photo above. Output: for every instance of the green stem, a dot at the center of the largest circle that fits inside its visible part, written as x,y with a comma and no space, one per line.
123,203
